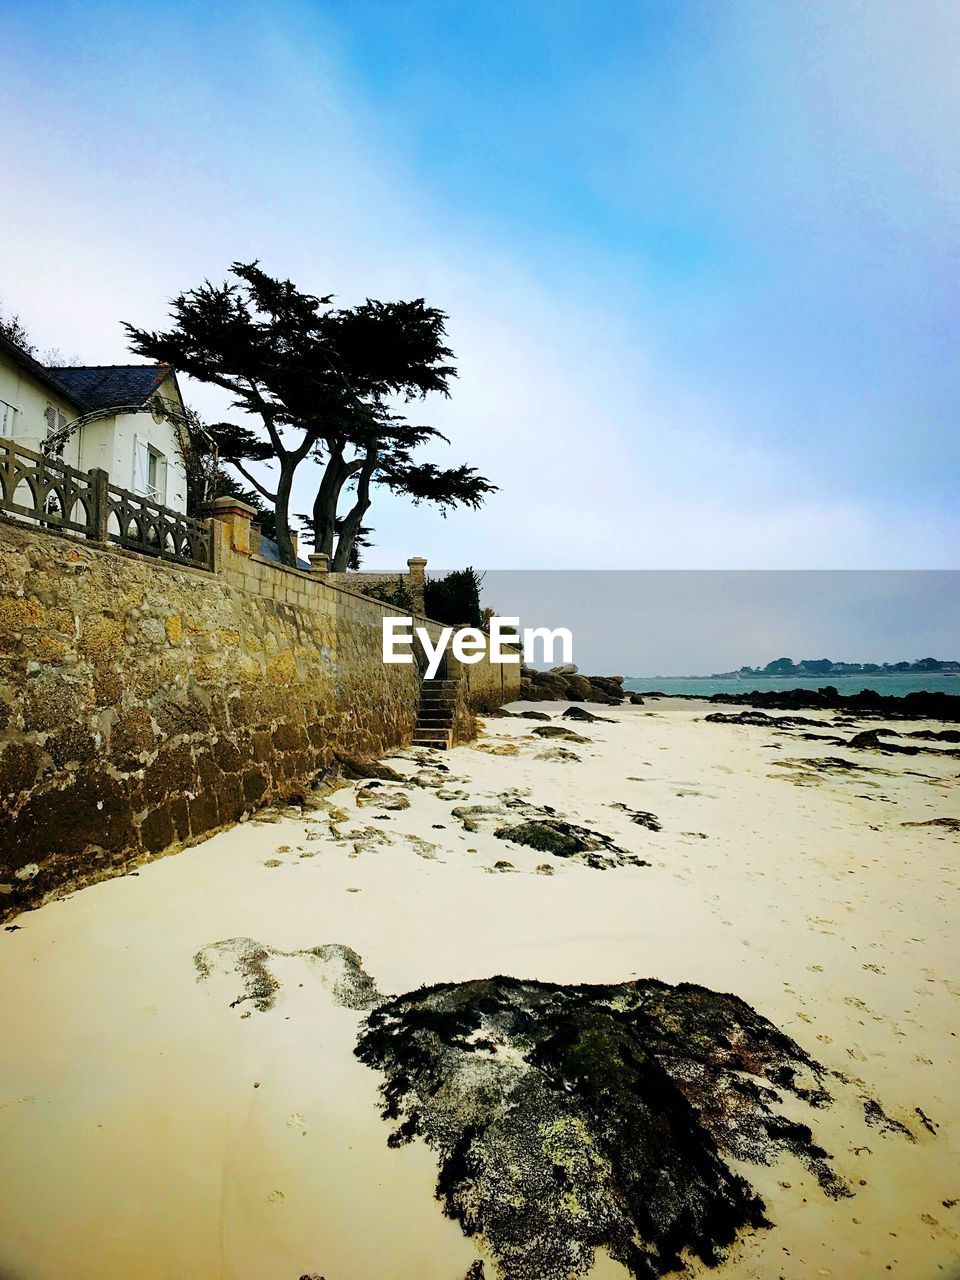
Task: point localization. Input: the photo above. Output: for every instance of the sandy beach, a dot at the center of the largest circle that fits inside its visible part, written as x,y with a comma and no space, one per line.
179,1092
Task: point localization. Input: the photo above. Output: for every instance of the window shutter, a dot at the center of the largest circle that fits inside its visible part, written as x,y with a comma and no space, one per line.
139,481
161,480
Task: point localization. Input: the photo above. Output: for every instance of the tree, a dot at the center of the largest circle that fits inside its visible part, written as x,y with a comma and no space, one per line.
12,328
817,666
320,383
780,667
455,599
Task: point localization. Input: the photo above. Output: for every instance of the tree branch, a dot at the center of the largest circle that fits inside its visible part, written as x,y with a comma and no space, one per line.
270,497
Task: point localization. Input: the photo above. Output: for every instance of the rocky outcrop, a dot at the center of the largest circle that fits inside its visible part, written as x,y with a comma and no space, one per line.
566,684
912,706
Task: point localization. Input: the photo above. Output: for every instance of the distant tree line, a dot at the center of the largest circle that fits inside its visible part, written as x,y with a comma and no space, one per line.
828,667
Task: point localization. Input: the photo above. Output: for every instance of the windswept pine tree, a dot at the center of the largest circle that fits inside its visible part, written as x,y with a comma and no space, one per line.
320,383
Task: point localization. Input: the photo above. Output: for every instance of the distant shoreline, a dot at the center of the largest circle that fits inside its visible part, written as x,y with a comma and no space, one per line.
894,685
818,679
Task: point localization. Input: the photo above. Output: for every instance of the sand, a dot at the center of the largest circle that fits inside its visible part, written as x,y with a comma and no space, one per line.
149,1129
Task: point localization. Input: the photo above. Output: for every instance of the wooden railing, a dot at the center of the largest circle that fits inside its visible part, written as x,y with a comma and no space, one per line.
58,496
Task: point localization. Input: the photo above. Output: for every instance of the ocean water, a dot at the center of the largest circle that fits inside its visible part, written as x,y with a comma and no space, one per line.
703,686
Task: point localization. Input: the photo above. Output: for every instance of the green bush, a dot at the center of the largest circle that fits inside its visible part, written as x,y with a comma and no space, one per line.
455,599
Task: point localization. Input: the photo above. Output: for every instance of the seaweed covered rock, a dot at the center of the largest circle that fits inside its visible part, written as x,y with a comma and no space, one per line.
566,840
922,705
568,1119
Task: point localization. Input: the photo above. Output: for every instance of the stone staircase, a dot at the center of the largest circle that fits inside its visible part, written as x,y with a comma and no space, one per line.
435,719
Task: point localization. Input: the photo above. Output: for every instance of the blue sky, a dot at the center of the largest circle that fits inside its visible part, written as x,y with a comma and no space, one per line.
700,258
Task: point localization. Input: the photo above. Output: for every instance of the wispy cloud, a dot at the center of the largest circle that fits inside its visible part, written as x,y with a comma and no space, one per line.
721,342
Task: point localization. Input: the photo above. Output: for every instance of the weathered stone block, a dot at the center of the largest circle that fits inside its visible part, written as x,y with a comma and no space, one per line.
157,830
255,785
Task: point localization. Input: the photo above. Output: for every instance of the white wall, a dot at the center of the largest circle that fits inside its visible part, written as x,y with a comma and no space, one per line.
132,429
31,399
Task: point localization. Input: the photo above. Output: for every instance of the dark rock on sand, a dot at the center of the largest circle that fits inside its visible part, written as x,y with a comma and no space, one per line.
566,840
912,706
374,794
762,720
558,731
936,735
948,824
353,768
568,1119
579,713
870,740
640,816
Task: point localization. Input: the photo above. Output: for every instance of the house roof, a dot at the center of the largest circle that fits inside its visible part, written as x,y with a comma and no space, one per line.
111,386
270,551
93,387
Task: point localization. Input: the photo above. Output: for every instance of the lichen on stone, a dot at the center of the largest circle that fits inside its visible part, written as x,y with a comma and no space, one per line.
568,1119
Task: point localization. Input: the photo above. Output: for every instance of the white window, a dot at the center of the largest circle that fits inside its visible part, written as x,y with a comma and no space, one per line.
157,476
56,420
8,420
149,471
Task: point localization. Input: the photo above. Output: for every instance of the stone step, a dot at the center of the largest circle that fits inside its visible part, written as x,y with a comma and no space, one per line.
434,728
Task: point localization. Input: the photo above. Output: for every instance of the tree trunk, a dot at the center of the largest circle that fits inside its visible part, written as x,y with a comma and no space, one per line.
354,517
324,520
282,511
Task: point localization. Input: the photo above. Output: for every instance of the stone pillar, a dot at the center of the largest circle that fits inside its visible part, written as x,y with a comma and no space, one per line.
417,566
319,563
237,518
100,504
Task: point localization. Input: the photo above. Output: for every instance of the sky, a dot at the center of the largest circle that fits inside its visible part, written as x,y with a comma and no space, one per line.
700,258
699,622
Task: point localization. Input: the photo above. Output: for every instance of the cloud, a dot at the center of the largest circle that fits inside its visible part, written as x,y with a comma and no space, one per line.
749,406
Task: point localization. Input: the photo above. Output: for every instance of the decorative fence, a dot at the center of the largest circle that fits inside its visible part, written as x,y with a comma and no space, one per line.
58,496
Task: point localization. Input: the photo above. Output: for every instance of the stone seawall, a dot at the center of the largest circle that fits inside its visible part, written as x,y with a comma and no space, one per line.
144,704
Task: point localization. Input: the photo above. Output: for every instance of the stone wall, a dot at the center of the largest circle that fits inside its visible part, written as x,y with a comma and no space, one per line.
143,704
414,580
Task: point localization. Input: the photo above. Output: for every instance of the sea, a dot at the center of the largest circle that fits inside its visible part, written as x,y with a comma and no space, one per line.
894,686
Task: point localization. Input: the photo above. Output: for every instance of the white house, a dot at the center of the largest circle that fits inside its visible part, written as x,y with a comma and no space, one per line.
107,416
